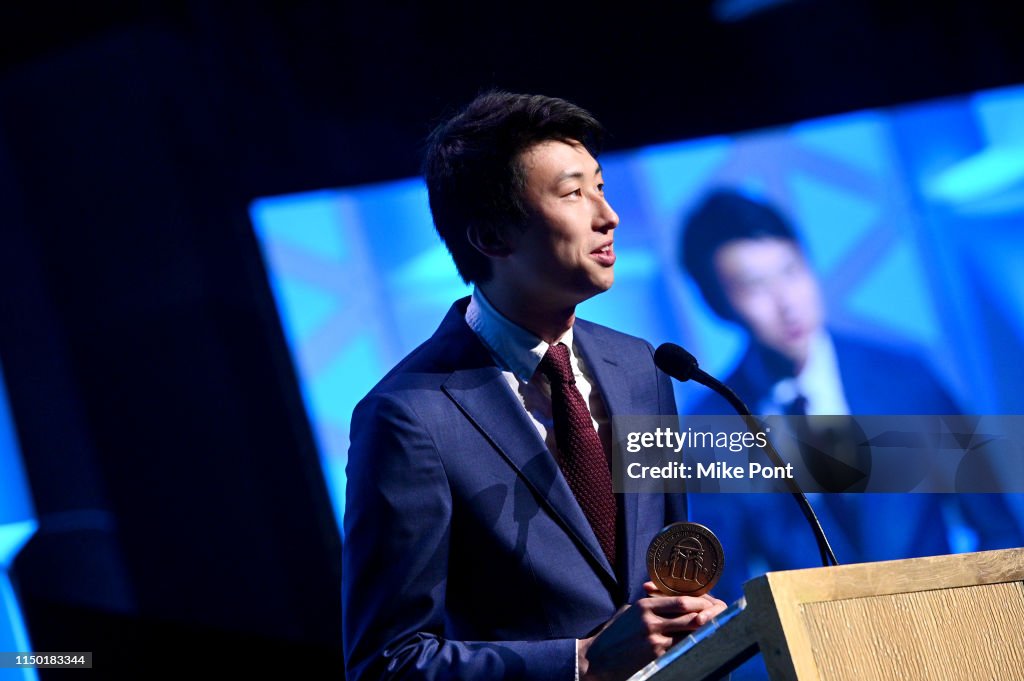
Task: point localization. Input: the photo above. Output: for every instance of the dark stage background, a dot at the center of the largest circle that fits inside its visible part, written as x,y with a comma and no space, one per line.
182,515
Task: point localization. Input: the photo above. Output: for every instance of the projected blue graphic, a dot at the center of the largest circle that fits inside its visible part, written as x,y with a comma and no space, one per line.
358,276
911,218
17,525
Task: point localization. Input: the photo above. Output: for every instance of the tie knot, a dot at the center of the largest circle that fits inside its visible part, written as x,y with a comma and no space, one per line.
556,365
798,407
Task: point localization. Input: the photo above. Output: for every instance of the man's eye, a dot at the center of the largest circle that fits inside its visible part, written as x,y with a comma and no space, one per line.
575,192
600,187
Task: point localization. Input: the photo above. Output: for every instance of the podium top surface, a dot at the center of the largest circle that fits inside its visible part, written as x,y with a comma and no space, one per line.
859,580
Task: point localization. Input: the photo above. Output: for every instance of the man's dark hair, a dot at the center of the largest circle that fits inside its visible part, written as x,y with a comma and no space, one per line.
473,171
726,215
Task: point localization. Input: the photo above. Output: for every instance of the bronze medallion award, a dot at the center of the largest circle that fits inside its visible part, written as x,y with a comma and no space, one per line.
685,559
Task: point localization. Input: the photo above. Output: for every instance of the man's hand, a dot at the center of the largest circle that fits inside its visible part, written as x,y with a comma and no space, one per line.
641,632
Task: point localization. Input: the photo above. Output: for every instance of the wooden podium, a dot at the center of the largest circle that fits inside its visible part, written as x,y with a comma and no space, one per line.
942,618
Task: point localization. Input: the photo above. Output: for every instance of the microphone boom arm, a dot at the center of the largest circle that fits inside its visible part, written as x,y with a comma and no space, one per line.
754,426
682,366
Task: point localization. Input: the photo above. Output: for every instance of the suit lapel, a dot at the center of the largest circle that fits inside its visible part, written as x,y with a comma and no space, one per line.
616,387
481,392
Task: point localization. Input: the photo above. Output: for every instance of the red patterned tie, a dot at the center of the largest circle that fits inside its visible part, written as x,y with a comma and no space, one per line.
582,459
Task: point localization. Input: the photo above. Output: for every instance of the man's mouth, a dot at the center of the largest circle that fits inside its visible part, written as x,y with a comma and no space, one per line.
795,333
605,255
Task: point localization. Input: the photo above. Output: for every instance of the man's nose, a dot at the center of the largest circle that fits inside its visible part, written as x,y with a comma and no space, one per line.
785,299
605,217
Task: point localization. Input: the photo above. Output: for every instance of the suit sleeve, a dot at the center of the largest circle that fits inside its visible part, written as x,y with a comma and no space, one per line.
395,564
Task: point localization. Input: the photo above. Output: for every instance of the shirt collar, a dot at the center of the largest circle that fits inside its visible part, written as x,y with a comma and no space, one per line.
818,381
514,348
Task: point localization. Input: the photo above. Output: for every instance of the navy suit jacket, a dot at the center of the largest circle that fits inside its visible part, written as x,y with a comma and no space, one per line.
466,554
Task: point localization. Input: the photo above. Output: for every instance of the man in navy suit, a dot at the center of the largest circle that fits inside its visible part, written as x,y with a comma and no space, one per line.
482,538
751,269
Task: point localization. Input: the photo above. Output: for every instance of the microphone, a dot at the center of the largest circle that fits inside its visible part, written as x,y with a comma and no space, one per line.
682,366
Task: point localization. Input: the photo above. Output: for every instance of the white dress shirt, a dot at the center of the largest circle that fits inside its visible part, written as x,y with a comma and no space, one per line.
819,382
518,352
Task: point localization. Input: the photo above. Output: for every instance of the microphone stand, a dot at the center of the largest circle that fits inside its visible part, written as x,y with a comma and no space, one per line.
682,366
754,426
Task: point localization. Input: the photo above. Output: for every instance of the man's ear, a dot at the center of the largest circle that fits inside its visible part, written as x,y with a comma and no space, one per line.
489,240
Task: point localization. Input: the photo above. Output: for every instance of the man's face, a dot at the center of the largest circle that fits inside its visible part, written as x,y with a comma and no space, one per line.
773,293
564,254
